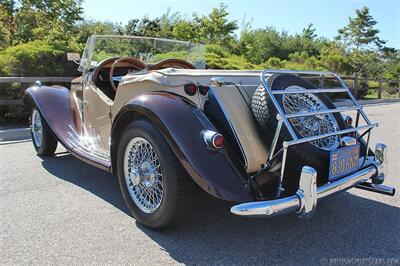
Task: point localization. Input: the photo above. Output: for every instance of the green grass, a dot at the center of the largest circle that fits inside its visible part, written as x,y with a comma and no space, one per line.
373,94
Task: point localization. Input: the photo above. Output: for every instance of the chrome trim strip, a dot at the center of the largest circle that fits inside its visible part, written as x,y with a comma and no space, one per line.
138,37
299,72
294,203
309,91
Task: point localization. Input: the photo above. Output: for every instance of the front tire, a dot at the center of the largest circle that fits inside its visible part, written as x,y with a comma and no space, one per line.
154,185
43,140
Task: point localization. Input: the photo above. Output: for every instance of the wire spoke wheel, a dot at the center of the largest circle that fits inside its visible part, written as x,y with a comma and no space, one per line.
143,175
311,125
36,128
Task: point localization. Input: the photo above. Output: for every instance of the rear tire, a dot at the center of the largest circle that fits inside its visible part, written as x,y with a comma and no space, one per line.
43,139
166,177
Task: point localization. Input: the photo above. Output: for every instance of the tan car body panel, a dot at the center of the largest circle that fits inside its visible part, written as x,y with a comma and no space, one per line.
233,104
97,117
242,122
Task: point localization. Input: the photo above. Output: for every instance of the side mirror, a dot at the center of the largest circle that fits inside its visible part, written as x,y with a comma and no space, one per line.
75,57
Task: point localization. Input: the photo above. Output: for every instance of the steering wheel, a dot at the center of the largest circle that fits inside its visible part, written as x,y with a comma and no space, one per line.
133,62
172,62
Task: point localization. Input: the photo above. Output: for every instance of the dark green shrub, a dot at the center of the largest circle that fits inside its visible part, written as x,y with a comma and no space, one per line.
36,58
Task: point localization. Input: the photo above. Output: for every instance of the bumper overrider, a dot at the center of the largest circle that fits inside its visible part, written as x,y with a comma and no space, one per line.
304,202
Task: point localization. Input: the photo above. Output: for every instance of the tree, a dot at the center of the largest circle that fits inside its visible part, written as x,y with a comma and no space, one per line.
7,21
309,32
145,27
261,44
215,28
360,33
186,30
334,58
27,20
3,37
391,63
362,43
87,28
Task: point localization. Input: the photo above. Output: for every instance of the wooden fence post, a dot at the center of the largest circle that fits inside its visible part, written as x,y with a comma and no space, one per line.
355,85
321,81
380,88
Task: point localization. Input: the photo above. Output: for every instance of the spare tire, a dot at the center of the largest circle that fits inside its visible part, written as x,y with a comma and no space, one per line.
314,154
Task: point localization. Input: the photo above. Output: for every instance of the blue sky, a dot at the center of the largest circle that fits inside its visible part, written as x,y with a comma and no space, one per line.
290,15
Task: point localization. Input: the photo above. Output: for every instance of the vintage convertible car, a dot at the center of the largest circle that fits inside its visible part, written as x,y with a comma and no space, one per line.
273,142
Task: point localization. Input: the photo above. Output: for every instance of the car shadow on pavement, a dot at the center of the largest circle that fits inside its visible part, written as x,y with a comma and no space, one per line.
345,226
96,181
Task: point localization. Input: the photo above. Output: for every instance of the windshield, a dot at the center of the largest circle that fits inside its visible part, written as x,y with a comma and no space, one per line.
149,50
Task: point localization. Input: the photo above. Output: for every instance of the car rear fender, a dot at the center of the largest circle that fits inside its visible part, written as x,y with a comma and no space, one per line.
182,123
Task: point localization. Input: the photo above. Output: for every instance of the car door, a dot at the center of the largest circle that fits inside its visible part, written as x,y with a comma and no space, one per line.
76,105
96,118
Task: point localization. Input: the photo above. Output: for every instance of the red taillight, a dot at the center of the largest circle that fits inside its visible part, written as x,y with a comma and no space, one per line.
218,141
214,140
349,121
190,89
203,89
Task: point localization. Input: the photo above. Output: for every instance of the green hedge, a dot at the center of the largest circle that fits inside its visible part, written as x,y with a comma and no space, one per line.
36,58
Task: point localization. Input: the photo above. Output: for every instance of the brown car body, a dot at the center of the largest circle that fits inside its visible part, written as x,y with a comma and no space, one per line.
84,129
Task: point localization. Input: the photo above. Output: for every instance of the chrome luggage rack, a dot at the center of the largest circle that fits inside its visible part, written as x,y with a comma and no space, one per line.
283,118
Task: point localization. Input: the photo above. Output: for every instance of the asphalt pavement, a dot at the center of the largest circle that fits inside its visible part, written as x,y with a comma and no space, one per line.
59,210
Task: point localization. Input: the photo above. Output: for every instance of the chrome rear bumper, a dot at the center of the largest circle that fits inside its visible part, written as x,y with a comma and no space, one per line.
304,202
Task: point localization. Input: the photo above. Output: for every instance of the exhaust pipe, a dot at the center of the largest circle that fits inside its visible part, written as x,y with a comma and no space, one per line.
381,166
381,189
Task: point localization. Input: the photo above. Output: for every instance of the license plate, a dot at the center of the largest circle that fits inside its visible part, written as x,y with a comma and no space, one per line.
343,161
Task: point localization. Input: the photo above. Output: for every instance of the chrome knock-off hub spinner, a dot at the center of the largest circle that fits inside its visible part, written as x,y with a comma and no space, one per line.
135,177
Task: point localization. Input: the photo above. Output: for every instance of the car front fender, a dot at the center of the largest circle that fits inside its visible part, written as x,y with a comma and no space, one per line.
57,107
54,105
182,123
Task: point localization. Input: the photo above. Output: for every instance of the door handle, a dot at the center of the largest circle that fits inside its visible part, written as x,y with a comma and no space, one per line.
84,103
